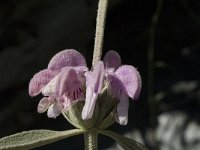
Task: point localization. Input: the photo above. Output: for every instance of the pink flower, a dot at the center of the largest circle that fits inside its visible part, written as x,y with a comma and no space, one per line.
61,83
64,81
124,82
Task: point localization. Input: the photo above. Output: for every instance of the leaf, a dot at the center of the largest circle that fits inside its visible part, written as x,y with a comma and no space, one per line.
124,142
35,138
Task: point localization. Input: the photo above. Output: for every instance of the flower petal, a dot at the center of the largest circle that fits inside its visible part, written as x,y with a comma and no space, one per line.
90,102
131,80
70,84
69,57
112,60
80,71
94,79
61,104
53,111
94,83
122,110
40,80
116,85
44,104
51,88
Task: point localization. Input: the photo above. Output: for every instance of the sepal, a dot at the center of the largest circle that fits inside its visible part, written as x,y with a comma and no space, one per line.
103,116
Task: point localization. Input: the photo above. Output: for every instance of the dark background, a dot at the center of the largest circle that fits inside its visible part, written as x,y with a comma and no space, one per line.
32,31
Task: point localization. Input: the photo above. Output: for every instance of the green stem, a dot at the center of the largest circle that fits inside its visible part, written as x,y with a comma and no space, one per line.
152,32
100,25
91,140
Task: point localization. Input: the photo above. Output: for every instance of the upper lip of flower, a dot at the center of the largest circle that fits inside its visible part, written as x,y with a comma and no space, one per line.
70,59
63,80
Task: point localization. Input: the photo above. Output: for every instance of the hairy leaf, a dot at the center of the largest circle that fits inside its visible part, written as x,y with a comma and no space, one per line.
35,138
124,142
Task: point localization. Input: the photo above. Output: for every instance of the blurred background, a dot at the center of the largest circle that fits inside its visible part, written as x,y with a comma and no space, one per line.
167,114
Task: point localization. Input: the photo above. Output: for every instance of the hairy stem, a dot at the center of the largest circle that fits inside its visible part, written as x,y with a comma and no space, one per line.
91,140
100,25
152,32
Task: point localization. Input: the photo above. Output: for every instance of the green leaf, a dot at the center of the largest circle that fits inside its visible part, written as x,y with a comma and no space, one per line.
124,142
35,138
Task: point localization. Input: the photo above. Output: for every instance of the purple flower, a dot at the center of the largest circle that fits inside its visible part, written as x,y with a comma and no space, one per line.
64,81
123,81
61,83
